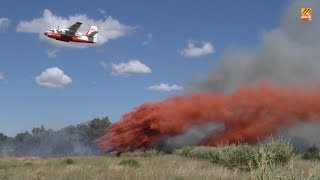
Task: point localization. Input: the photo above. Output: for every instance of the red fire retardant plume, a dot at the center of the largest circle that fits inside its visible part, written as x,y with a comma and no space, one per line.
249,114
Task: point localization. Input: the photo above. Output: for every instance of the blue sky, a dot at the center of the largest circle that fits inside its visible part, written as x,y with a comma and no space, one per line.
166,27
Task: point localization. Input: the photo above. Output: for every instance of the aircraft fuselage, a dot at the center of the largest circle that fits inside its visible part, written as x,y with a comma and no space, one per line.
67,38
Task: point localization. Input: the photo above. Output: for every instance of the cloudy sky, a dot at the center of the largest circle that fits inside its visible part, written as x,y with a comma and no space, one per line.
146,51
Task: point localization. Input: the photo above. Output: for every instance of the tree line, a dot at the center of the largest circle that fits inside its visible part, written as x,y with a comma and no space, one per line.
68,141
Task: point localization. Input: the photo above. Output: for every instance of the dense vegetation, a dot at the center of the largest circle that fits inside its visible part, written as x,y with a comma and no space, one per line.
71,140
268,160
274,159
243,157
313,153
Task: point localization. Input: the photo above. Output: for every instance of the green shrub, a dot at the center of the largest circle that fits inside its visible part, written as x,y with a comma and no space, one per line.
68,161
243,157
312,153
28,164
7,165
278,152
130,162
177,151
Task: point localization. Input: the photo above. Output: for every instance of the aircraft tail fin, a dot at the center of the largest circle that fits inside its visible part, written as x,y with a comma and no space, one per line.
93,33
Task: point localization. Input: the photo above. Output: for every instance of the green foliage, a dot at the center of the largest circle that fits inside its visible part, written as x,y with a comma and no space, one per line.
204,152
28,164
277,151
313,153
20,137
7,165
89,131
68,161
242,157
130,162
3,137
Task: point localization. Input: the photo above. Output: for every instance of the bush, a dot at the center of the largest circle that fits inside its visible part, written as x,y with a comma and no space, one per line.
28,164
243,157
130,162
68,161
312,153
277,152
7,165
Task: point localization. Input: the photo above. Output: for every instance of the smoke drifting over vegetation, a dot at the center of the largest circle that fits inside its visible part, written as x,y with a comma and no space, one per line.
71,140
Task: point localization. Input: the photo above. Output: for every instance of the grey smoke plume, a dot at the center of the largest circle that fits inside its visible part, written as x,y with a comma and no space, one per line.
303,135
287,55
69,141
194,135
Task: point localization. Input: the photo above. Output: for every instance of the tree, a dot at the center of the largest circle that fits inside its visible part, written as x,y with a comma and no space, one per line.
3,137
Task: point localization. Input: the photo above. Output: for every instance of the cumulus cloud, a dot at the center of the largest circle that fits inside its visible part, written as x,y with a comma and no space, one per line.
53,78
4,23
165,87
192,51
148,40
131,67
287,55
109,28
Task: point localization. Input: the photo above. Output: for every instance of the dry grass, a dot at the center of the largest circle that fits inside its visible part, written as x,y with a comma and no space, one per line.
154,167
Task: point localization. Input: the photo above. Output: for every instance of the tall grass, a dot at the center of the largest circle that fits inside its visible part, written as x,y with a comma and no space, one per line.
168,166
243,157
142,153
130,162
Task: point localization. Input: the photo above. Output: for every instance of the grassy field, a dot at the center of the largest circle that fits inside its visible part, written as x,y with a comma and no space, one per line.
167,166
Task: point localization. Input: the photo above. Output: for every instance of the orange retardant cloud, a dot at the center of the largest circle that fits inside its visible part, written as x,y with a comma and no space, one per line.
249,114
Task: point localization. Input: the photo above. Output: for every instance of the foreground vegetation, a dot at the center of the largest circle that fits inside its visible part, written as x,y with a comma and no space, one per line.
243,157
154,167
274,160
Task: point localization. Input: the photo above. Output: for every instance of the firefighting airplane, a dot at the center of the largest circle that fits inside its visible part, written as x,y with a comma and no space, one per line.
71,34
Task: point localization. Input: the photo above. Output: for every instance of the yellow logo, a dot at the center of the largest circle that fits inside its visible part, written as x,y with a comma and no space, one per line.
306,14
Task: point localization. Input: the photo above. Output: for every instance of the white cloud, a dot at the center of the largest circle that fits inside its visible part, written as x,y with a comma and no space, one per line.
131,67
108,28
1,76
104,65
148,40
102,12
53,78
52,52
193,52
4,23
165,87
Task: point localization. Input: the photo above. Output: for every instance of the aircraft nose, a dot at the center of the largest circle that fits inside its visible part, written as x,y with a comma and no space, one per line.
46,33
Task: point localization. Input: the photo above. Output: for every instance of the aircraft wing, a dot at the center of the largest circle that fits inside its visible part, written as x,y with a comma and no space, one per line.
74,27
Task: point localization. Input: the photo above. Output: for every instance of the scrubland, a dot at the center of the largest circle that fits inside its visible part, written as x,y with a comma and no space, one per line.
274,160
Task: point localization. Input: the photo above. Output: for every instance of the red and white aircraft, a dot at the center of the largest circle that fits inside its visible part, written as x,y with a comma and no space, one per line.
71,34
